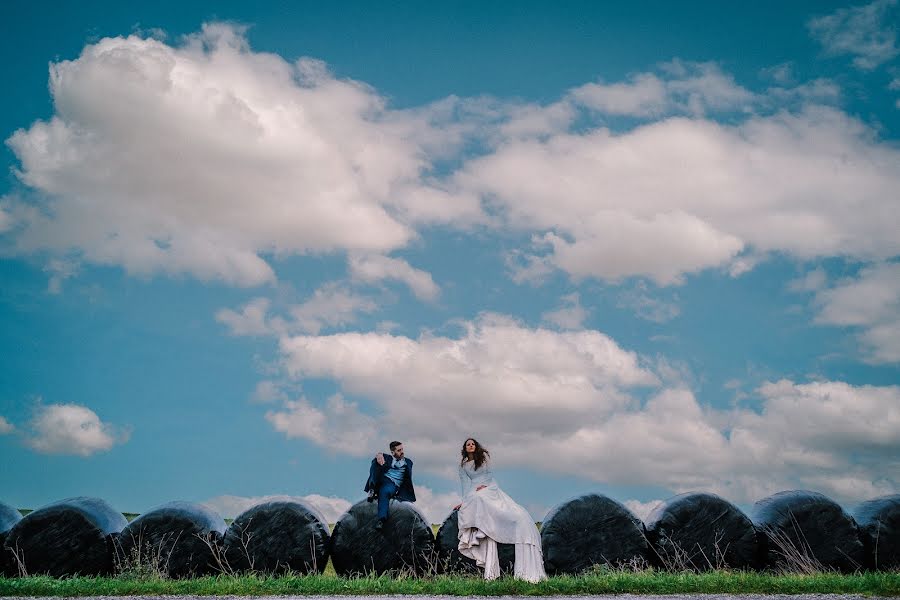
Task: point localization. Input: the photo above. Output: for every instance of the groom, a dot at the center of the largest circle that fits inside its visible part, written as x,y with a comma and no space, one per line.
390,476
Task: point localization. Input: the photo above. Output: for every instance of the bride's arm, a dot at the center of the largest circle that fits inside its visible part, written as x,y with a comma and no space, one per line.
487,473
465,483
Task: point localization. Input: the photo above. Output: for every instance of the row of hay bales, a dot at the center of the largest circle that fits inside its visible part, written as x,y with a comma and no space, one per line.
695,531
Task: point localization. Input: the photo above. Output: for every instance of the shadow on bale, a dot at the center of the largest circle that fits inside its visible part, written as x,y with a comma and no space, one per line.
405,544
277,537
9,516
700,532
451,560
177,539
70,537
806,532
592,530
879,529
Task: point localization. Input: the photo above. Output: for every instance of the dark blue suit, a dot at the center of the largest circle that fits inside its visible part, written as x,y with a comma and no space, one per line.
385,489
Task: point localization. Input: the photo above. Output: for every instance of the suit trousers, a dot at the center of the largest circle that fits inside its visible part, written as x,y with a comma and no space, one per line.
385,493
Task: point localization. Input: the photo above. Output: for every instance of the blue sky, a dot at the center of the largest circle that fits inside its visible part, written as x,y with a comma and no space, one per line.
633,250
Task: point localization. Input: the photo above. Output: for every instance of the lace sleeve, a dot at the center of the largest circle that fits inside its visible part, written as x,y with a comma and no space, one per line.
486,471
465,482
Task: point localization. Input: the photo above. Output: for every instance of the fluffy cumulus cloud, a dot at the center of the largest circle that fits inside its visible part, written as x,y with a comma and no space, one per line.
437,390
570,315
5,426
640,509
678,195
332,305
690,88
210,159
869,302
329,508
434,506
71,429
204,157
578,395
374,268
867,32
338,426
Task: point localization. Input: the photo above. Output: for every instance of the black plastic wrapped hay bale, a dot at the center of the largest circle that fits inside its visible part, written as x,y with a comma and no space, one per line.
405,543
277,537
700,531
879,530
9,516
180,539
70,537
449,558
802,530
589,530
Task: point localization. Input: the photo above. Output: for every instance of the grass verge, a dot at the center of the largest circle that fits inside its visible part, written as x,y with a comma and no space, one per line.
648,582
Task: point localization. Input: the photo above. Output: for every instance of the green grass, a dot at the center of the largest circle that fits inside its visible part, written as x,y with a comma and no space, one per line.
645,582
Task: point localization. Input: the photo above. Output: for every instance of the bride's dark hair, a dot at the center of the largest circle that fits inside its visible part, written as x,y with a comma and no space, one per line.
481,454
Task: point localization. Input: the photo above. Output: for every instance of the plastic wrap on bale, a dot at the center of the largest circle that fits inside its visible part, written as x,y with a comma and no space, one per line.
74,536
180,539
277,537
589,530
406,543
9,516
700,531
802,530
451,560
879,530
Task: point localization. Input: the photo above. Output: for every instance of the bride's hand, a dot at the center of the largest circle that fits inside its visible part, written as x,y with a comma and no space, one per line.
480,487
457,506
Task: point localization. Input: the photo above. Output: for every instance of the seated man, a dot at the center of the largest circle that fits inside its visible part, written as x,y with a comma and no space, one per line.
390,476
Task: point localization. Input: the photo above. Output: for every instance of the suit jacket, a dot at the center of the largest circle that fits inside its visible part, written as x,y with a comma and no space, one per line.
377,475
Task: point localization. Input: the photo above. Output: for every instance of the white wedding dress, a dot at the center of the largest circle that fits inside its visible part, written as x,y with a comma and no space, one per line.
488,517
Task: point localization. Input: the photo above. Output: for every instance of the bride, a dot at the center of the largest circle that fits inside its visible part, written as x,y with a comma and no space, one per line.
487,516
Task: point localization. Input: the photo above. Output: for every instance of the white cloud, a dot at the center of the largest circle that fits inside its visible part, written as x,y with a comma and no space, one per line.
573,394
678,196
640,509
251,320
685,88
372,268
208,158
646,306
6,220
338,426
5,426
330,508
200,158
813,281
331,305
268,391
72,429
59,270
870,301
434,506
432,392
570,316
866,32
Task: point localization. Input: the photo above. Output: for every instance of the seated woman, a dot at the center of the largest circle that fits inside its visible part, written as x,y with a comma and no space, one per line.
487,516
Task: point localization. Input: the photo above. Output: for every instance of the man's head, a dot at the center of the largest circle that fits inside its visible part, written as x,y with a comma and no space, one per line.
397,449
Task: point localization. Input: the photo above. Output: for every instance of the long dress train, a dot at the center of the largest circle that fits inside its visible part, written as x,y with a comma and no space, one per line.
488,517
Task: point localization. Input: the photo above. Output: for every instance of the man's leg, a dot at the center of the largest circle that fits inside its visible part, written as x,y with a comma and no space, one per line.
388,489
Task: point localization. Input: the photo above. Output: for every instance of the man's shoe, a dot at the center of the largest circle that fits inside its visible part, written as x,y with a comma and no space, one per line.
370,497
379,525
